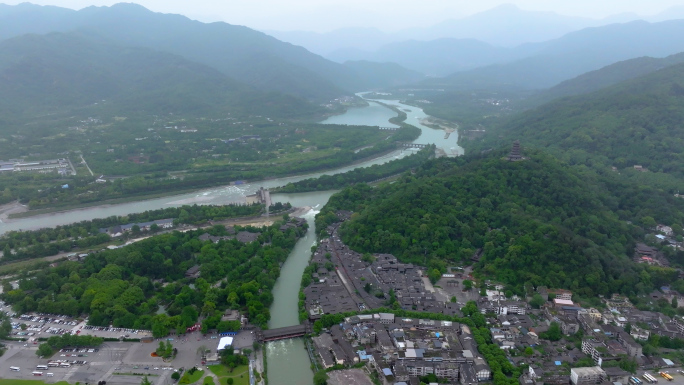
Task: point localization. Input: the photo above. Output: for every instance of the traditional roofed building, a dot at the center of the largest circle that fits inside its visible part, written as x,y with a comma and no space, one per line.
515,156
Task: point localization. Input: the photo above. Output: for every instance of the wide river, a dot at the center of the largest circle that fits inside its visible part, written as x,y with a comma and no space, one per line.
288,361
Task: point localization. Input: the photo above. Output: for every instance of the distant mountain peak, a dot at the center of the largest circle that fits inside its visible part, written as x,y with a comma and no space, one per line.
129,6
506,7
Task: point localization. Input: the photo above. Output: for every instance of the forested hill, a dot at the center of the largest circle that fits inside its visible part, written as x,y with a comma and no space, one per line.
538,221
47,74
638,122
609,75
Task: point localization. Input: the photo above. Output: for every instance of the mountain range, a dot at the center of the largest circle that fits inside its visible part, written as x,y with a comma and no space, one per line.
253,62
438,57
576,53
244,54
503,26
543,64
62,72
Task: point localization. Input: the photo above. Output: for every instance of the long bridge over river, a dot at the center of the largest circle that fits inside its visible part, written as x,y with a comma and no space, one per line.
414,145
283,333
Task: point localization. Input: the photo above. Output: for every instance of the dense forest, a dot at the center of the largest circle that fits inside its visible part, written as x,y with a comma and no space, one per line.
538,222
126,287
53,240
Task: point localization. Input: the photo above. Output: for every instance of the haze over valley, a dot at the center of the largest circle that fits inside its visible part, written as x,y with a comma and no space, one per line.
342,192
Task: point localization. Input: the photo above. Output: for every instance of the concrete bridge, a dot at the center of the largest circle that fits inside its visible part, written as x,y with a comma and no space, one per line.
413,145
283,333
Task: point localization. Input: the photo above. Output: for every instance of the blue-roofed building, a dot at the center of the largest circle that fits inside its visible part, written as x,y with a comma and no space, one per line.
387,372
363,356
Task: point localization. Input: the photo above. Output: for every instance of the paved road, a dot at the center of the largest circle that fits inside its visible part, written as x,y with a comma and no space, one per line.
88,167
251,372
259,362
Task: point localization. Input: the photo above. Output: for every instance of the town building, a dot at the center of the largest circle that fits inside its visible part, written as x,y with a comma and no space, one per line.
667,230
559,303
563,294
639,333
633,348
593,348
193,272
587,376
679,323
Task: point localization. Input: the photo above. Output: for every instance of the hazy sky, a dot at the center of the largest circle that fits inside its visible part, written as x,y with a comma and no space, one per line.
387,15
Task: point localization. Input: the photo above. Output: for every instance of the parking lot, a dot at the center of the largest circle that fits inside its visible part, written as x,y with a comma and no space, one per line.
48,325
349,377
115,362
106,332
677,378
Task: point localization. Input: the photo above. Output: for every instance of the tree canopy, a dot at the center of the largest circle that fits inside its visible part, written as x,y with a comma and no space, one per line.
539,222
126,287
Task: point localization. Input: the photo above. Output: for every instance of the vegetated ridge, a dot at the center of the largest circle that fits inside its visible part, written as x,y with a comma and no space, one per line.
538,221
637,122
244,54
572,55
608,76
63,73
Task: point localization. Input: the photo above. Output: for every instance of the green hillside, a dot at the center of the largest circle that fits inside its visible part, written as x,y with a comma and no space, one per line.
61,73
538,221
608,76
638,122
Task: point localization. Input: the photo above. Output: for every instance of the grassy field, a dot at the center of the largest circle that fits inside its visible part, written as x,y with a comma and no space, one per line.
209,381
191,378
224,374
12,267
29,382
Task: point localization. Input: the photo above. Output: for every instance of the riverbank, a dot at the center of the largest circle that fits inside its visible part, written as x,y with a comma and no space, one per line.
10,209
254,221
439,124
358,102
25,212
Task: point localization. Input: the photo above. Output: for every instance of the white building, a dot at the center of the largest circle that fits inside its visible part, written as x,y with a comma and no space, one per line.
586,376
564,294
667,230
225,342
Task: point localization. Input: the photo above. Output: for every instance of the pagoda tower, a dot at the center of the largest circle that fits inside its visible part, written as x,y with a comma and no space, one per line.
515,156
